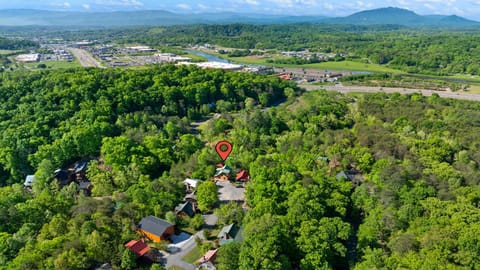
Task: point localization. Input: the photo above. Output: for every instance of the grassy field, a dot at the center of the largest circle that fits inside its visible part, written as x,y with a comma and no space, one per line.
8,51
195,58
342,65
474,89
175,268
193,255
54,64
352,66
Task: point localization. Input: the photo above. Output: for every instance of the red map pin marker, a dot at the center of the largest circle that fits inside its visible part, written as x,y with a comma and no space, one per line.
223,149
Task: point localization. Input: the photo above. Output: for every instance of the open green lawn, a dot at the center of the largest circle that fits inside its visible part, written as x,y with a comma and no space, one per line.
175,268
474,89
193,255
353,66
8,51
54,64
195,57
342,65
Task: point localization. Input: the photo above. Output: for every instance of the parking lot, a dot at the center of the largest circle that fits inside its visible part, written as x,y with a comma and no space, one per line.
228,191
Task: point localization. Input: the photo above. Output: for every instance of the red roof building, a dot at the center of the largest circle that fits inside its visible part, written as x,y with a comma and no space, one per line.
138,247
210,256
243,175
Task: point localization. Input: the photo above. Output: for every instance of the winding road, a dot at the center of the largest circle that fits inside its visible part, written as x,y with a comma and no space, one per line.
365,89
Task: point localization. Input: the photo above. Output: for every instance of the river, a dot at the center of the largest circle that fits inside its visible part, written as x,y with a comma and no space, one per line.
210,57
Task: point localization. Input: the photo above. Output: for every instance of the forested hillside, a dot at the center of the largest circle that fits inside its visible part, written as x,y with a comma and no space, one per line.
408,196
138,122
15,44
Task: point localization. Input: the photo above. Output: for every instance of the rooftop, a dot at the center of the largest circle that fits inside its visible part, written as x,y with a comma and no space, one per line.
29,180
154,225
209,256
224,170
186,207
192,182
138,247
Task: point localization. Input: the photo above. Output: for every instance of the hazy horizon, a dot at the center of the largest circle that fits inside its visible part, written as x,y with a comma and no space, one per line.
331,8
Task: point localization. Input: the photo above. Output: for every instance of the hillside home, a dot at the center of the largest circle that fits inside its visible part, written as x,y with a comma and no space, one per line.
230,233
138,247
222,174
155,229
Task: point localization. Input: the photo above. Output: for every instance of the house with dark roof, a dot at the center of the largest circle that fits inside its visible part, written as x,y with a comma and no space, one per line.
222,173
229,234
342,175
86,187
62,176
190,197
138,247
80,170
155,229
185,209
242,176
352,175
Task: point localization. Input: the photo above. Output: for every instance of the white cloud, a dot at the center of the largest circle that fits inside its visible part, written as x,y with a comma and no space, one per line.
252,2
125,3
458,11
86,6
429,6
62,5
202,7
435,1
184,6
292,3
328,6
364,5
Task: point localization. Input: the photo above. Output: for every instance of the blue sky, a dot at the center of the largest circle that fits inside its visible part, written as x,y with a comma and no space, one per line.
466,8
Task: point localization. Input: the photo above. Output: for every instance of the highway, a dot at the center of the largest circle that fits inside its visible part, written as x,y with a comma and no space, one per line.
365,89
85,58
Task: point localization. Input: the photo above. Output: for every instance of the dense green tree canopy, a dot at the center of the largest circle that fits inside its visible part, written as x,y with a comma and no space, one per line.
371,181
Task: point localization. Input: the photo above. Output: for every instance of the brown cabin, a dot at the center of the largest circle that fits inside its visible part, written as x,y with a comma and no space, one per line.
155,229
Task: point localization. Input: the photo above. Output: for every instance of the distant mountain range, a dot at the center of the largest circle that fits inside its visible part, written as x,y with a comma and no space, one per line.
22,17
400,16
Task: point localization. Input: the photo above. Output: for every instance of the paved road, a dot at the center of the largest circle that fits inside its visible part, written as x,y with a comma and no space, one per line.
176,258
365,89
85,58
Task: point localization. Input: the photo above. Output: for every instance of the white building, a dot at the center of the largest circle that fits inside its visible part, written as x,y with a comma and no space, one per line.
31,57
191,184
219,65
171,57
29,181
141,49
